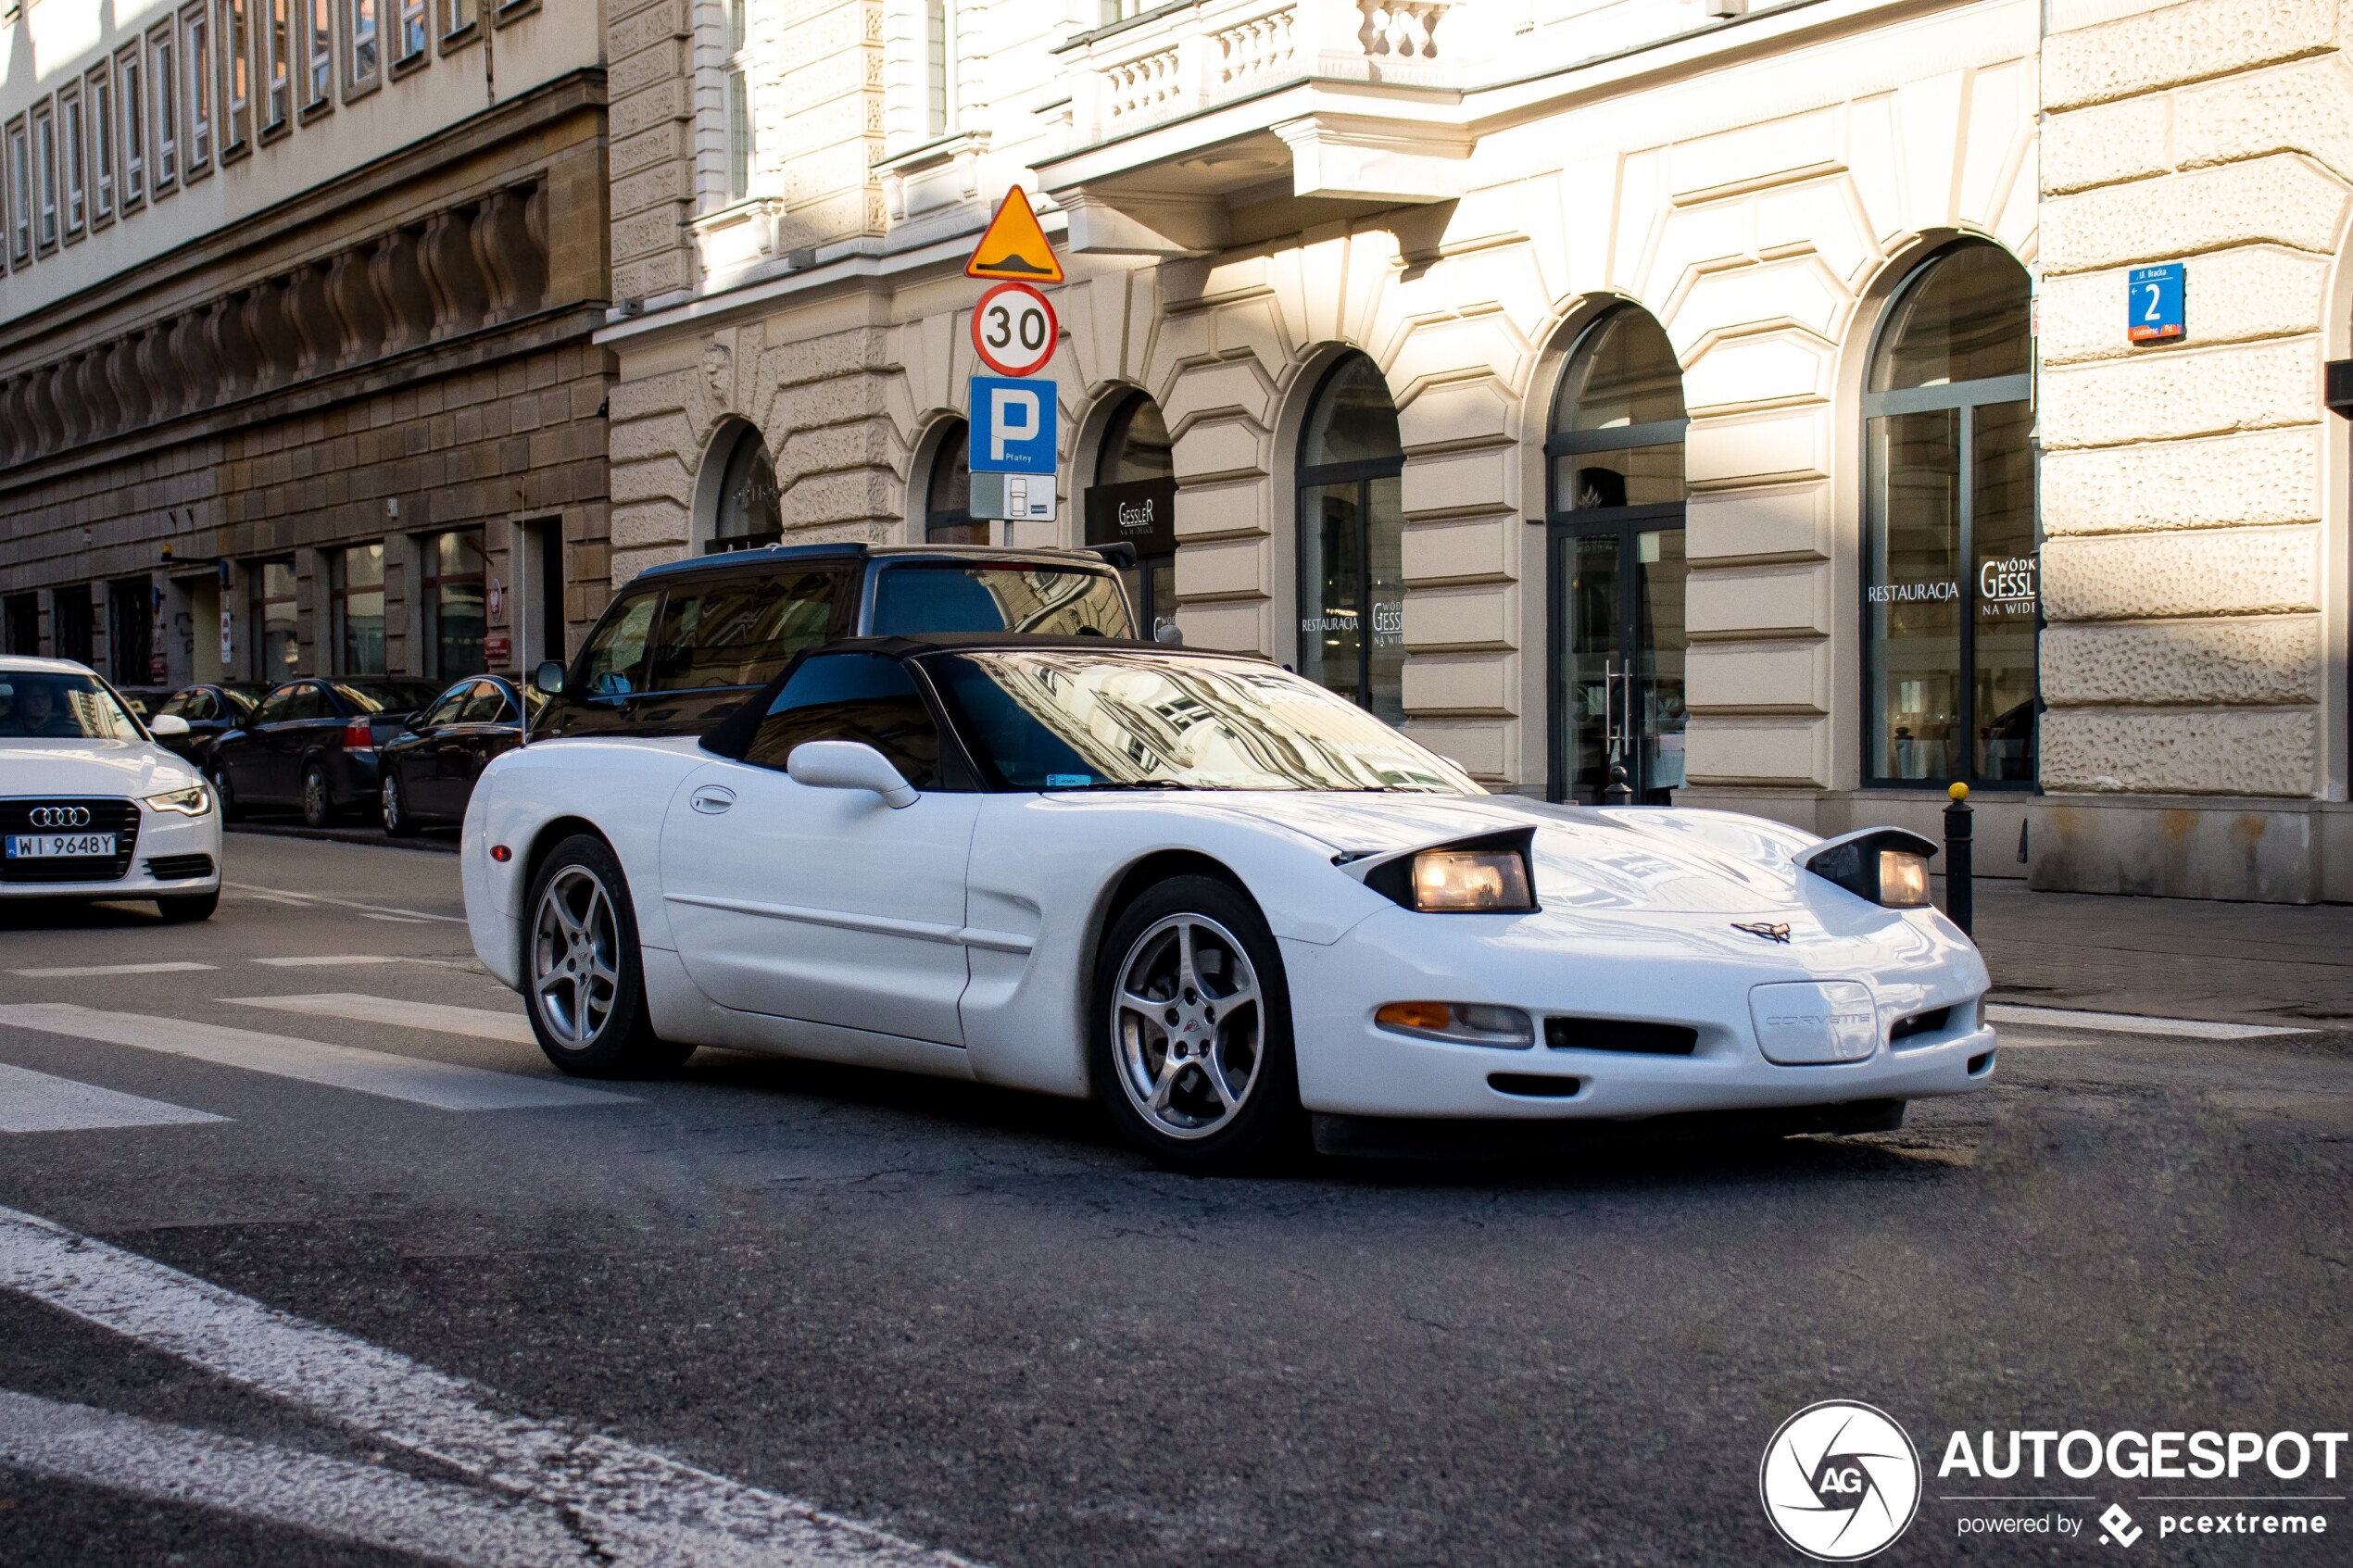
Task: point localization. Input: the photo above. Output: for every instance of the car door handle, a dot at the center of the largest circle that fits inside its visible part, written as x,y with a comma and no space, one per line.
710,800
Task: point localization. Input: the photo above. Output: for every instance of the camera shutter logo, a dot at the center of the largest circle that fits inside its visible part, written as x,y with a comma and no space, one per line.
1840,1481
60,816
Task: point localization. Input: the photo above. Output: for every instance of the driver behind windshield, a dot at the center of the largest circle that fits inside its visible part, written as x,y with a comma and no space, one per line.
58,708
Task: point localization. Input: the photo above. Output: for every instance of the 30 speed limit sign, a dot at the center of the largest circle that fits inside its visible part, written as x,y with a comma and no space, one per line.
1013,329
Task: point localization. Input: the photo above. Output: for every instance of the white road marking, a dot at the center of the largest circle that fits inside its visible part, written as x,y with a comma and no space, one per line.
303,1491
481,1022
634,1505
281,895
83,972
329,961
2131,1023
441,1085
35,1102
398,919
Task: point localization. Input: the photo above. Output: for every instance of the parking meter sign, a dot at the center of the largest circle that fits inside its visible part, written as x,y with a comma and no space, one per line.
1012,425
1015,330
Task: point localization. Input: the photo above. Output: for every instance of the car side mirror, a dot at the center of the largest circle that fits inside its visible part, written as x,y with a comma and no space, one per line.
548,678
164,724
849,764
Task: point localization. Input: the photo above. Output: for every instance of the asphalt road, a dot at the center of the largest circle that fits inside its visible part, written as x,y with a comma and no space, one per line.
661,1328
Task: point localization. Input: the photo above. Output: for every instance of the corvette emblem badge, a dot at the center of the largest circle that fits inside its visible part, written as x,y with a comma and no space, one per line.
1770,930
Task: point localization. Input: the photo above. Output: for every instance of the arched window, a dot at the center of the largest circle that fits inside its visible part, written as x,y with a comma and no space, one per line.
1352,523
948,493
1949,570
1133,500
750,509
1615,452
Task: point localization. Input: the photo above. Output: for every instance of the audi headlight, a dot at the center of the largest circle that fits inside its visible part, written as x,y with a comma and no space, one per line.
194,801
1488,875
1888,866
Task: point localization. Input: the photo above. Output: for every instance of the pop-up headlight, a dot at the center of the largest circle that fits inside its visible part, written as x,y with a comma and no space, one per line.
1488,875
1888,866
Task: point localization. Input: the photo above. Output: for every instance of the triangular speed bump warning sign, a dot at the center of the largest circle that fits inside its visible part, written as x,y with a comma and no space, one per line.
1014,247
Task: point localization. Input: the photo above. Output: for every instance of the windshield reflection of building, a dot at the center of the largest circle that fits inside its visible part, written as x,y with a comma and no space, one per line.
1132,721
1029,600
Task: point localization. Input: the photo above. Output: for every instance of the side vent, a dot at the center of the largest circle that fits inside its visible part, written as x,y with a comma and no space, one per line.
1619,1035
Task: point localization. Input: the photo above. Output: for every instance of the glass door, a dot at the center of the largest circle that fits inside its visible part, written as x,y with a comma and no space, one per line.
1620,642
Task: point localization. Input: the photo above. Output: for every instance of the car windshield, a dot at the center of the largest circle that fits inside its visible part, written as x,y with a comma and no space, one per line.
1063,718
914,598
387,696
61,706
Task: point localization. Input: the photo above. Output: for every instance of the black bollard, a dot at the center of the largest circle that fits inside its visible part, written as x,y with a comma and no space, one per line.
1960,903
1618,792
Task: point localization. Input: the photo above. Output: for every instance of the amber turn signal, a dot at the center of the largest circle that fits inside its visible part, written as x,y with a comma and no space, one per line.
501,854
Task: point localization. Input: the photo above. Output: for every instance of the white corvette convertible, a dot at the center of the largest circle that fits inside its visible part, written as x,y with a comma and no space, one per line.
1205,891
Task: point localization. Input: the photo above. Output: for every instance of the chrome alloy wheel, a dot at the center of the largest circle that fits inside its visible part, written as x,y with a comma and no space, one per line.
1187,1025
574,940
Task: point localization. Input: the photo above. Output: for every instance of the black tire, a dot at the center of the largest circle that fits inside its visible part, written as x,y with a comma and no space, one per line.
230,811
189,907
590,1017
397,823
1187,1116
317,799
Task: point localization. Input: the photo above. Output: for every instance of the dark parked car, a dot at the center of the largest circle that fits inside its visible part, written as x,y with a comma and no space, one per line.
312,744
684,644
211,710
426,772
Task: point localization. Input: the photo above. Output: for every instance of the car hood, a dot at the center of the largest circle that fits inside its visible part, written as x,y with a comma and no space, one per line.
1656,860
133,768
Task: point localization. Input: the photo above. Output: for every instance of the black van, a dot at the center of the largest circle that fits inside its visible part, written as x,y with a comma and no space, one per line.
684,643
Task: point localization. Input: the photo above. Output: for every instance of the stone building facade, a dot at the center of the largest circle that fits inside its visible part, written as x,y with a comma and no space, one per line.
295,362
1737,394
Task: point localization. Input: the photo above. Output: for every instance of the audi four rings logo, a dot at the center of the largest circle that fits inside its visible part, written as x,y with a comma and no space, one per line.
61,816
1840,1481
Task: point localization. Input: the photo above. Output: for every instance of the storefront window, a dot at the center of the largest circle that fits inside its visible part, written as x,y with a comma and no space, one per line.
1352,523
1133,501
453,596
275,649
356,592
948,496
750,506
1951,600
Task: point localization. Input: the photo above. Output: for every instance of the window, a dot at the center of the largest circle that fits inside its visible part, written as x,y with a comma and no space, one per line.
166,69
412,32
454,602
319,27
947,498
200,88
278,707
916,597
940,67
1133,501
76,171
133,76
1352,521
20,194
236,67
456,18
740,130
445,713
749,509
364,45
131,632
276,61
101,91
485,704
73,627
739,632
853,696
615,658
1951,599
356,606
275,650
44,133
21,624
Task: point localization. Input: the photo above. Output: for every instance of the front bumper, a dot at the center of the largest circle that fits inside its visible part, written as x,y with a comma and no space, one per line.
164,836
1669,970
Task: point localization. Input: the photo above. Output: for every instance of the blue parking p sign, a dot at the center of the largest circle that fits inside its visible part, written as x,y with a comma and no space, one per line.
2153,303
1012,425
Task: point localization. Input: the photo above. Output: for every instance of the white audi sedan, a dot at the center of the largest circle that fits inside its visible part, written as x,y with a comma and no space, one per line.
1207,892
90,806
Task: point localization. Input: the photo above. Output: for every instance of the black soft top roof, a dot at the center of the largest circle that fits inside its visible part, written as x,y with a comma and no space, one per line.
909,645
786,555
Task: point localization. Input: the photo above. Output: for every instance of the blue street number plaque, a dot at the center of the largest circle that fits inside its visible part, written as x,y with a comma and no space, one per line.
2153,307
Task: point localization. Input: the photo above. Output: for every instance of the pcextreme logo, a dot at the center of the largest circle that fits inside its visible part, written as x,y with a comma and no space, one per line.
1840,1481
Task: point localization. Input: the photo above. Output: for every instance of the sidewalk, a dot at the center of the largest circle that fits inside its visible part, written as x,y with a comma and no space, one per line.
2173,958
